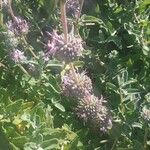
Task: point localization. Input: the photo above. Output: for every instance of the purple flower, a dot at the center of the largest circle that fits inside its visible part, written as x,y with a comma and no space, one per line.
62,51
92,111
19,26
76,85
17,56
72,8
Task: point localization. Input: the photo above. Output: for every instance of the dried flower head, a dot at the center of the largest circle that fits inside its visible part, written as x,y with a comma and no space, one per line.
67,52
72,8
76,85
19,26
17,56
92,111
146,113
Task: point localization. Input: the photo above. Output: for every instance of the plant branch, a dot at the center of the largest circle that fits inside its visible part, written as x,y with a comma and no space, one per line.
81,6
64,19
11,10
145,138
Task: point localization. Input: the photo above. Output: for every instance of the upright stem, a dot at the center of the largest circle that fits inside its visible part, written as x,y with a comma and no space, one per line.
1,15
81,6
145,138
64,19
114,144
74,73
23,69
10,10
29,48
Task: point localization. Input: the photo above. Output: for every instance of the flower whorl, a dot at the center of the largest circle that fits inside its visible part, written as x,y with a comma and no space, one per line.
76,85
93,112
19,26
67,52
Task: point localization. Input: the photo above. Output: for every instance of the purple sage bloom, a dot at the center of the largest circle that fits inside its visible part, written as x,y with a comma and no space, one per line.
66,52
76,85
17,56
92,112
19,26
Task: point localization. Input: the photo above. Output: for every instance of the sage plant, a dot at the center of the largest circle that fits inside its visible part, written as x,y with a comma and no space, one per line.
90,109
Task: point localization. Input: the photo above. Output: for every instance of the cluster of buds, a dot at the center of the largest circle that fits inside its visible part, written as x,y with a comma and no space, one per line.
66,52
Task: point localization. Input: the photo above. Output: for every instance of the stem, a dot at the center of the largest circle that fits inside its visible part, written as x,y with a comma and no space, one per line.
74,73
11,10
114,144
64,19
23,69
145,138
1,14
29,48
81,6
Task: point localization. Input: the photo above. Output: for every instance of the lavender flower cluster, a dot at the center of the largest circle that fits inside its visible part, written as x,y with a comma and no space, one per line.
76,85
17,56
18,25
94,113
15,29
90,109
67,52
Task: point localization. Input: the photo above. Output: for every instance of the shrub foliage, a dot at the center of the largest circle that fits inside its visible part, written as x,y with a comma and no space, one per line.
72,79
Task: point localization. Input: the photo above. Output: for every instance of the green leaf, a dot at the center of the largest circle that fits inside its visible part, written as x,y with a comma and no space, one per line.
137,145
19,141
59,106
112,87
50,144
14,107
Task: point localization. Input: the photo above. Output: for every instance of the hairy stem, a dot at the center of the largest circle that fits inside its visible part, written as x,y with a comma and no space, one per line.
64,19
